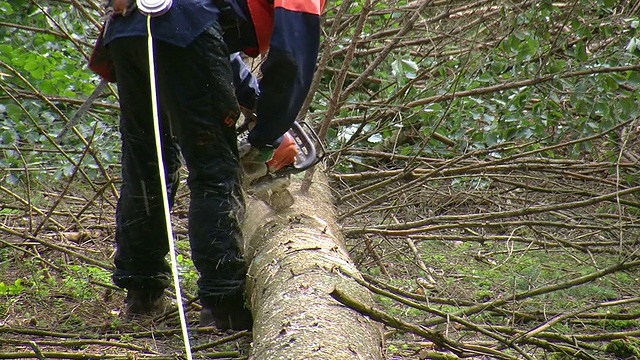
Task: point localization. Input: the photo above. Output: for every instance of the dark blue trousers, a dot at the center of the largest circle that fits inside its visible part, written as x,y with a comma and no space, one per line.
198,110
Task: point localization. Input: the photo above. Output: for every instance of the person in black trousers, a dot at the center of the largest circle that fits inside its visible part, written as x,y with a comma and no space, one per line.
199,106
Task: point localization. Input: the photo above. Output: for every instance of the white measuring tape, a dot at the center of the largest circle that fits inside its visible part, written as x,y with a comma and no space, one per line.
155,8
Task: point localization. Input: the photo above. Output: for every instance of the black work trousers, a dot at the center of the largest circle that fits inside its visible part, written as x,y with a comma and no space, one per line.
198,110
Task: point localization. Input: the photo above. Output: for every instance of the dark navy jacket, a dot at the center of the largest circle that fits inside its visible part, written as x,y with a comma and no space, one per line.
292,32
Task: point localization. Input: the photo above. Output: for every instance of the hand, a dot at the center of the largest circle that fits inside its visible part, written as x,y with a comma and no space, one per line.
122,7
250,154
254,162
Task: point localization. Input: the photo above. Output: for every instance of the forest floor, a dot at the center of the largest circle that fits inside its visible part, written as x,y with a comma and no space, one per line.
517,238
57,300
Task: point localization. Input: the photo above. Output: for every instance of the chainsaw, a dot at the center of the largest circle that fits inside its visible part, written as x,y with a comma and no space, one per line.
299,150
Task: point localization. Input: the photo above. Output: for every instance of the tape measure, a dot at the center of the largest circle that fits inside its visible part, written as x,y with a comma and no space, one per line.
154,7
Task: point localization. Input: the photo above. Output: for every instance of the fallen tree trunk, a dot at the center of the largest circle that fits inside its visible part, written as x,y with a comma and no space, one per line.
297,258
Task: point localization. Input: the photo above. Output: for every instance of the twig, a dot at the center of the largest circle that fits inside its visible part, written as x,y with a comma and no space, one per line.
36,350
28,185
77,343
507,213
542,290
352,232
560,317
449,317
57,247
68,185
324,58
335,101
428,273
62,116
376,258
222,354
438,339
519,84
34,255
221,341
83,356
86,105
40,332
29,205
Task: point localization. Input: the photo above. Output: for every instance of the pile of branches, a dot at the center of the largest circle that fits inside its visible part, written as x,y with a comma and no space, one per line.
507,208
417,167
440,215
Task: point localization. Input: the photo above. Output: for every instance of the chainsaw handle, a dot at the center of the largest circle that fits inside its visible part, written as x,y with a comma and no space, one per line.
311,157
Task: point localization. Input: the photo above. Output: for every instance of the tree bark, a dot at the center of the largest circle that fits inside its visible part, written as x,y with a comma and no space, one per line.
297,257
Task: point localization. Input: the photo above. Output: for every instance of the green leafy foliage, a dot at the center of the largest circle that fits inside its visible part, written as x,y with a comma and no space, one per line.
625,348
563,51
11,289
188,274
43,80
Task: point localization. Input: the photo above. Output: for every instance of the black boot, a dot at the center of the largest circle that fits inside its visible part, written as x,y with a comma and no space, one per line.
228,313
145,302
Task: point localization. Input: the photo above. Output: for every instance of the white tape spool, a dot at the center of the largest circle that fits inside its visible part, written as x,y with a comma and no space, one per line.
154,7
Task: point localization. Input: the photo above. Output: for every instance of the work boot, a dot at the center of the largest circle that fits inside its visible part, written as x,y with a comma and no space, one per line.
144,302
226,316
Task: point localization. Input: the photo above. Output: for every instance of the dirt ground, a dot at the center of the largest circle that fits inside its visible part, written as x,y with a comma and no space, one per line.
497,279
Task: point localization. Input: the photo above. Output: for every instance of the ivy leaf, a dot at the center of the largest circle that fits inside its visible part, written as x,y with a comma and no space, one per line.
627,106
612,84
602,109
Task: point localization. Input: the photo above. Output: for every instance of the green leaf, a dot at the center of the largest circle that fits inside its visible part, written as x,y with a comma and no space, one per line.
557,66
46,86
633,45
612,84
38,73
627,106
17,285
13,111
434,107
7,136
5,8
608,3
6,51
602,108
31,65
580,51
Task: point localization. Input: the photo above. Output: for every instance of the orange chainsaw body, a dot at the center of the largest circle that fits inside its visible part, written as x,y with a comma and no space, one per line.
285,154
